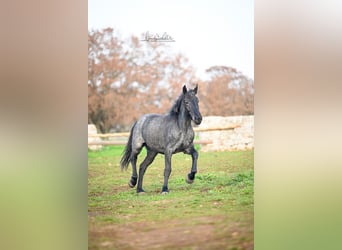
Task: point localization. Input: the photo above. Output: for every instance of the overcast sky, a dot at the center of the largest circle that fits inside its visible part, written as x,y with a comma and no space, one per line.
208,32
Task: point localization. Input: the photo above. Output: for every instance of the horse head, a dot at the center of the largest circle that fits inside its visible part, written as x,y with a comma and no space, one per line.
191,104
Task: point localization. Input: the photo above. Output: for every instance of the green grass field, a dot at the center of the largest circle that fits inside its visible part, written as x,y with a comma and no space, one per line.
215,212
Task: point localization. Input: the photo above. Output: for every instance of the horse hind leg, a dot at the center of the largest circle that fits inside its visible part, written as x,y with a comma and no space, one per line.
134,156
133,181
142,169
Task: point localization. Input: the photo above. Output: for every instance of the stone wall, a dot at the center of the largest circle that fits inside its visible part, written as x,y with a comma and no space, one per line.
93,131
240,137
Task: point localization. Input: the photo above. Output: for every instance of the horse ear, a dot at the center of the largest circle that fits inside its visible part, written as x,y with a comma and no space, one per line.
195,89
184,89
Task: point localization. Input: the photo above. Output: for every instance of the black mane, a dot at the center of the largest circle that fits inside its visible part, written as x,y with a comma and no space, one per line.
176,106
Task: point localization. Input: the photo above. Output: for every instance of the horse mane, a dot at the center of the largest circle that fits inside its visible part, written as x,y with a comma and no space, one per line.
176,106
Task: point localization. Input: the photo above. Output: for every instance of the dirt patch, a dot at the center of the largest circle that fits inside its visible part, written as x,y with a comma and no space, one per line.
195,233
119,189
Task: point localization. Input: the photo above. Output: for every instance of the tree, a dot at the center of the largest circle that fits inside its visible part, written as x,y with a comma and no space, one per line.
227,92
128,78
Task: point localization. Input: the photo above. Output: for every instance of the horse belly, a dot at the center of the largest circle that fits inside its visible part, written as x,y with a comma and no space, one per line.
155,144
153,134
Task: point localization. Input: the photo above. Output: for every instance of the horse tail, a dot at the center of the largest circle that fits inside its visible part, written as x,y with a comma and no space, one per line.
126,158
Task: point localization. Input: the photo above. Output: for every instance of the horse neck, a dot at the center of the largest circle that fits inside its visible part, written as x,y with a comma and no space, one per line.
184,120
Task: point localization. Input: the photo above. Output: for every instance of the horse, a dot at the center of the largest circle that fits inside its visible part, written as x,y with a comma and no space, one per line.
165,134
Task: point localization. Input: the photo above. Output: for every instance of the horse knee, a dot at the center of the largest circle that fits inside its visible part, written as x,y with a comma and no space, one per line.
194,154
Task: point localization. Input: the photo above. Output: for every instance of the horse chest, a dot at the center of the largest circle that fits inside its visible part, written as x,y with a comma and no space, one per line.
186,139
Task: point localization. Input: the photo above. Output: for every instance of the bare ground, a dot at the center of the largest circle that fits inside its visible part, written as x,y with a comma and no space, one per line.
214,232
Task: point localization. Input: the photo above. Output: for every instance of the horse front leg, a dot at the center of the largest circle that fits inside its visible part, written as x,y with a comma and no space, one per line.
167,172
194,155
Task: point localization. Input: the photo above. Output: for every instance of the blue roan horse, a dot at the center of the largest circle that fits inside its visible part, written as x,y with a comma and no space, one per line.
166,134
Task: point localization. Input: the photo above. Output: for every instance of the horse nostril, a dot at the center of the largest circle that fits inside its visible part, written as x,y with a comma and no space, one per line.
199,120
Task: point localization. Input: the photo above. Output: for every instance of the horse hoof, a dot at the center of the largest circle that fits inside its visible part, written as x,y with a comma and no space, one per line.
132,182
141,193
188,180
165,192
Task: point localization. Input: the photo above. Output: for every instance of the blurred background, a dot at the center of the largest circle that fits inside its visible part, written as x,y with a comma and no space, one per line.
212,46
44,105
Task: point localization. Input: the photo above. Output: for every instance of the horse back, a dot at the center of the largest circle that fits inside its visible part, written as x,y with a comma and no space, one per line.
160,131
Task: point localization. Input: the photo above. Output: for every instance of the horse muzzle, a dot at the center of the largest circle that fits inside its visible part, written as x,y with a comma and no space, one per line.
198,120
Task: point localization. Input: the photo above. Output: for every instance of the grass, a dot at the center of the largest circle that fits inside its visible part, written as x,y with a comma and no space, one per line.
220,201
